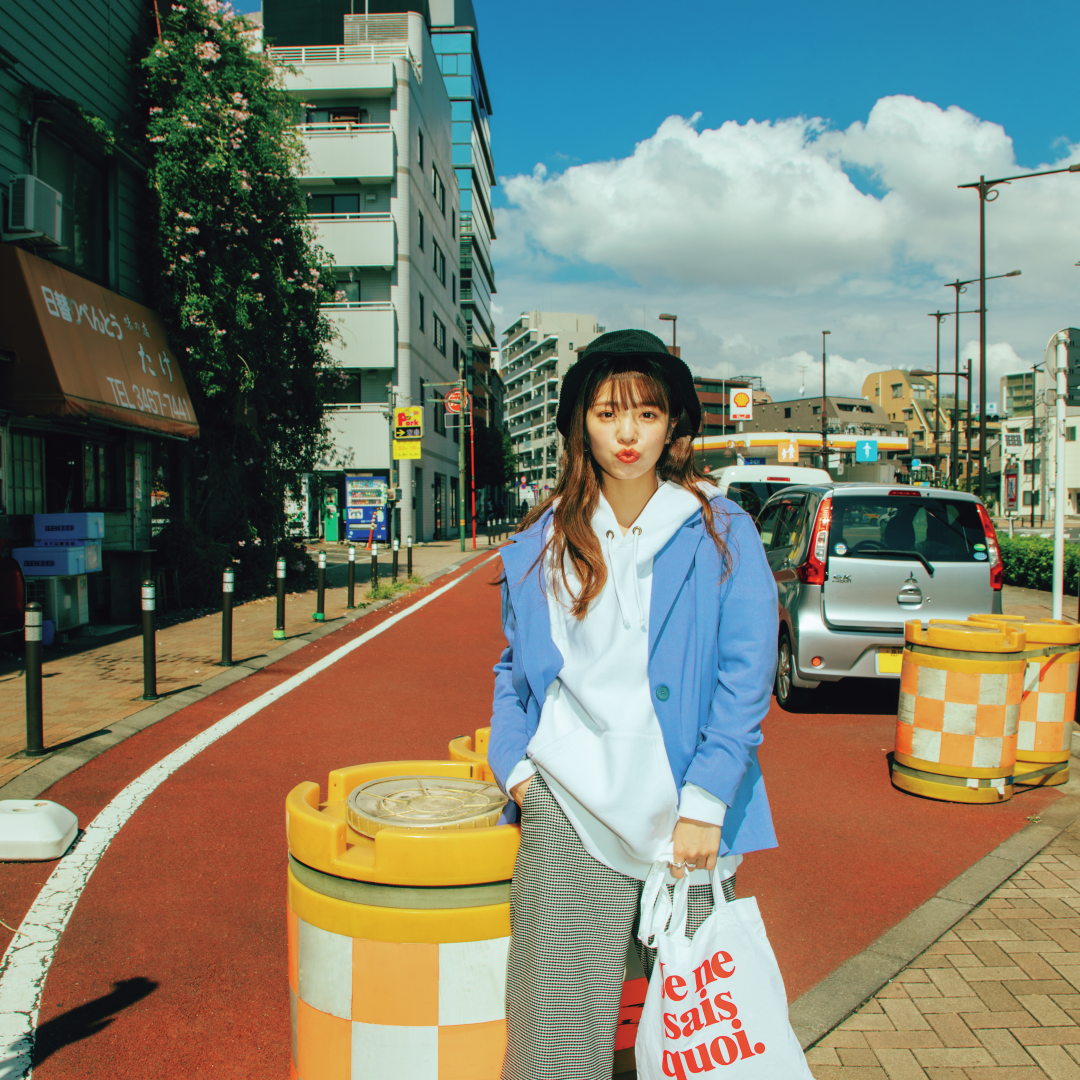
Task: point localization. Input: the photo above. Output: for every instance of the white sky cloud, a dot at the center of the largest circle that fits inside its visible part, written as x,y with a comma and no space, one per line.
758,237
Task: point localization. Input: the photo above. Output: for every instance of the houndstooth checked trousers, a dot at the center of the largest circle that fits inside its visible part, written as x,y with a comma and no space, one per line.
571,919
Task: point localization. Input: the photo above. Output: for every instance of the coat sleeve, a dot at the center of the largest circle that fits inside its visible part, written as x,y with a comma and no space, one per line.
746,666
508,741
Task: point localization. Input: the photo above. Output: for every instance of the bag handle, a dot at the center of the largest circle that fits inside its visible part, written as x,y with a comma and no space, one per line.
655,905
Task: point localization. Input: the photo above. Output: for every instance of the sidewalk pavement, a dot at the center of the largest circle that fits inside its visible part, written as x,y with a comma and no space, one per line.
997,996
91,683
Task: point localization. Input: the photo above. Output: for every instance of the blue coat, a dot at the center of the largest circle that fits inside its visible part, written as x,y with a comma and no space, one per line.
712,658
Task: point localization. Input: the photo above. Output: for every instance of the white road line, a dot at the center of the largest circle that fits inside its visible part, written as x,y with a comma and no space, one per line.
26,963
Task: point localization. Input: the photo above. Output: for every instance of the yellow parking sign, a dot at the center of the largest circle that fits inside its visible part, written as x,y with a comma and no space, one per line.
409,423
406,449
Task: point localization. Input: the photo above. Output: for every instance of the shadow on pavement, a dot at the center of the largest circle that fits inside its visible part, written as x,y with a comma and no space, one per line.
874,697
79,739
86,1020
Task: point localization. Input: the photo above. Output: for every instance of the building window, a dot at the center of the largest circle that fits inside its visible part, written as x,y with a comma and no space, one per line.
325,205
27,474
83,188
1033,468
457,357
420,148
339,117
1029,435
453,224
1029,499
897,389
909,414
1070,434
453,287
420,233
438,262
817,410
787,414
439,418
421,312
438,191
439,329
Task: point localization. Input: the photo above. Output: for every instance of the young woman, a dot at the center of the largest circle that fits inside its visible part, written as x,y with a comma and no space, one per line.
641,626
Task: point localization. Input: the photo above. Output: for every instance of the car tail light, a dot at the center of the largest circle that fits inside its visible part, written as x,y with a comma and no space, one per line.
997,567
786,479
812,570
904,491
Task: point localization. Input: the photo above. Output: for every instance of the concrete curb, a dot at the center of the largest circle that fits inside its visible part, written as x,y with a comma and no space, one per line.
55,766
838,995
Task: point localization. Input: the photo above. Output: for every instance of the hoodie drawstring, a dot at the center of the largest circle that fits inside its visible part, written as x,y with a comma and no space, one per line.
610,536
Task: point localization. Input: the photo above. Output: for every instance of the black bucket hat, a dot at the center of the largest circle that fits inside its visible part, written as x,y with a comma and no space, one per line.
629,348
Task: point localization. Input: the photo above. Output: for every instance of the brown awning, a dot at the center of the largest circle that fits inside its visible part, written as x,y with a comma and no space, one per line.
72,348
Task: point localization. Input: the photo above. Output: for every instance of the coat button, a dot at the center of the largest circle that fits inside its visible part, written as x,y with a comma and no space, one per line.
662,693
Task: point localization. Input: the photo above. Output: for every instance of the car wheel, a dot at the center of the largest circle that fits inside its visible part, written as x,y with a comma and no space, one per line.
788,695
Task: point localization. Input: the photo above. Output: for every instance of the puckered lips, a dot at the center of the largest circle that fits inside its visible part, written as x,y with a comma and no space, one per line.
628,456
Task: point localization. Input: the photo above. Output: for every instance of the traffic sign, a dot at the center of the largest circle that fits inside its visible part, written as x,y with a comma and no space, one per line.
866,450
916,463
409,422
407,449
452,401
788,451
1072,373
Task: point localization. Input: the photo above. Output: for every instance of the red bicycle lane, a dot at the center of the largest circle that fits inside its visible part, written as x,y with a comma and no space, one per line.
175,957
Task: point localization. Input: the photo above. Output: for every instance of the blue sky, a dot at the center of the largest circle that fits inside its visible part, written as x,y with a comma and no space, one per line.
768,171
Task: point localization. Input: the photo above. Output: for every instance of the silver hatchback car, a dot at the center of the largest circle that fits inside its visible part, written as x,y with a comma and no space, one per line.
854,562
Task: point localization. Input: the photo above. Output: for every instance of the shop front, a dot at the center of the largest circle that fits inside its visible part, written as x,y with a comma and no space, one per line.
95,415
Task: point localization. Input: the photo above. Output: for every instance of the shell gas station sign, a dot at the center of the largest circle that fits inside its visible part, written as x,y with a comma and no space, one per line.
741,405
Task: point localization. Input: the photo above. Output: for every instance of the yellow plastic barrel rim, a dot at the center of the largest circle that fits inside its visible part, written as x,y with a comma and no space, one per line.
965,772
415,897
1030,778
1038,631
971,782
965,636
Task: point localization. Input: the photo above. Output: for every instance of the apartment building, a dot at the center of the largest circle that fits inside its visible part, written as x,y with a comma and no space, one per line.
1019,391
537,351
384,199
1025,463
843,416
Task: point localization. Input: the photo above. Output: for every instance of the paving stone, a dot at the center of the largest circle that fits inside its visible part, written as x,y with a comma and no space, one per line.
1056,1063
857,1057
960,1058
952,1030
900,1065
1004,1047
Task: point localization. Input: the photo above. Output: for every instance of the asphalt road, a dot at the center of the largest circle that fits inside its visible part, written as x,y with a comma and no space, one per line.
174,962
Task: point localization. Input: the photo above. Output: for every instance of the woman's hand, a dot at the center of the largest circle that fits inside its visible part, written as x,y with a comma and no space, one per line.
517,792
696,844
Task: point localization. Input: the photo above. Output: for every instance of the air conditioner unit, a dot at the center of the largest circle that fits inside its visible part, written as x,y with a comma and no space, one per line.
35,208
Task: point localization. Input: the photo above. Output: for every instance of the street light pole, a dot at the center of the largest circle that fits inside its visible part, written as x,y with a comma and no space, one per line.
1060,491
939,317
988,192
961,287
824,422
1034,421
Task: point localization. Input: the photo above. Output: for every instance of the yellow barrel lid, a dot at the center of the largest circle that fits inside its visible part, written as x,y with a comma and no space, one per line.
423,802
1038,631
962,636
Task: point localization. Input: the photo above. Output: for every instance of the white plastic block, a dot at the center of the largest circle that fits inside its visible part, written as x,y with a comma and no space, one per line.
35,829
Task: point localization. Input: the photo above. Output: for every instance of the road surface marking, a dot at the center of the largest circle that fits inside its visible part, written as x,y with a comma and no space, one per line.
26,963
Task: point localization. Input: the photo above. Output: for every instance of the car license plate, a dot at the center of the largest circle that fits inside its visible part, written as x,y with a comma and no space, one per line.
889,660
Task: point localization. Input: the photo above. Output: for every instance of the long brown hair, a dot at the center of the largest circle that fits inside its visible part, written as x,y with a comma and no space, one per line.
634,383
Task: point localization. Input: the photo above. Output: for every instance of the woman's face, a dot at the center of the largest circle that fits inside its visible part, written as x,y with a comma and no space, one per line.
626,440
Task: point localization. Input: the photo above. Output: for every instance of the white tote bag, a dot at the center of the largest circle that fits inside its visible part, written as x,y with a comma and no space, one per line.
716,1001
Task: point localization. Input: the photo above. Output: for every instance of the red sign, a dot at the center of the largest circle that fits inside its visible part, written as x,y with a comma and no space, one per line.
452,401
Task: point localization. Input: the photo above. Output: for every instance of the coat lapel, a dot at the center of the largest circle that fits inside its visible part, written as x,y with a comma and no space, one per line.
671,567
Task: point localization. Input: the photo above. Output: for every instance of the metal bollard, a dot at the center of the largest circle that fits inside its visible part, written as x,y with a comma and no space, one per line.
394,561
374,565
352,577
149,644
320,592
35,735
408,558
228,579
279,627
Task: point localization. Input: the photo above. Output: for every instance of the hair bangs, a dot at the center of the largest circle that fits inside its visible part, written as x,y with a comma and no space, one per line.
633,390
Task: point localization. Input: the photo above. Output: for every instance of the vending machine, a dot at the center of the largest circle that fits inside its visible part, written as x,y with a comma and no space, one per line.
331,518
365,508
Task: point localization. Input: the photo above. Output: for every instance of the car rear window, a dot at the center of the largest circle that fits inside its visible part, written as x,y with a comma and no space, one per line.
940,529
752,495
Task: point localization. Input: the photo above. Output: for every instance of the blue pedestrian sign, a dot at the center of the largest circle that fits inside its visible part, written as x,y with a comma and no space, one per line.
866,450
916,463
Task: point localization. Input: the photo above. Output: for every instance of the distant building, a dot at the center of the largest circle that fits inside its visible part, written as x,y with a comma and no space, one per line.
537,351
843,415
1019,390
715,398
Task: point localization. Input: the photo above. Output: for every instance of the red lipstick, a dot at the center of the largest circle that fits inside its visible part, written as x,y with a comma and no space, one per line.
628,456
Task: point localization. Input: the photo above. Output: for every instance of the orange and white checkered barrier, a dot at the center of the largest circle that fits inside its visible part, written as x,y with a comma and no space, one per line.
1048,704
959,712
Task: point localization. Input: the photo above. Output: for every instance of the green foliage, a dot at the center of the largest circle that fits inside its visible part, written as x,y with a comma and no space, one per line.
494,457
234,271
1029,562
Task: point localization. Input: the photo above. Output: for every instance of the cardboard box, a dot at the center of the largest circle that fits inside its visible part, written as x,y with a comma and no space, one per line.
51,561
85,526
91,547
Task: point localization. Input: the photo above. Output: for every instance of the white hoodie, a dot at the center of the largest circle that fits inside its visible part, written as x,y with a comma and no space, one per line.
598,743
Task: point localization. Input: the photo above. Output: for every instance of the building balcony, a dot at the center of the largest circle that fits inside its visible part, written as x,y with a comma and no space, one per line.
366,334
326,72
343,152
358,240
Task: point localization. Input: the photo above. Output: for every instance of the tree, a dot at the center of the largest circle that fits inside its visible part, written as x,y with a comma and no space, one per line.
234,270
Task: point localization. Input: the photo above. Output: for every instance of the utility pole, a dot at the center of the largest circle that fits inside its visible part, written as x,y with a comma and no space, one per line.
824,421
463,403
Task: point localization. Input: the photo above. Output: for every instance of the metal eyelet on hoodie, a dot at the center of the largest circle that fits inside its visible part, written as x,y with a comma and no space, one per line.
637,530
610,535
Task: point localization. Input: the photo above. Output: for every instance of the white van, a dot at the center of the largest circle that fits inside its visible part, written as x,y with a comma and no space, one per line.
751,486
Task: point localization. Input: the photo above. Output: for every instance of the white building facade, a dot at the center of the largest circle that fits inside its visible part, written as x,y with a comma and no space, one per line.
383,196
1029,455
537,351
